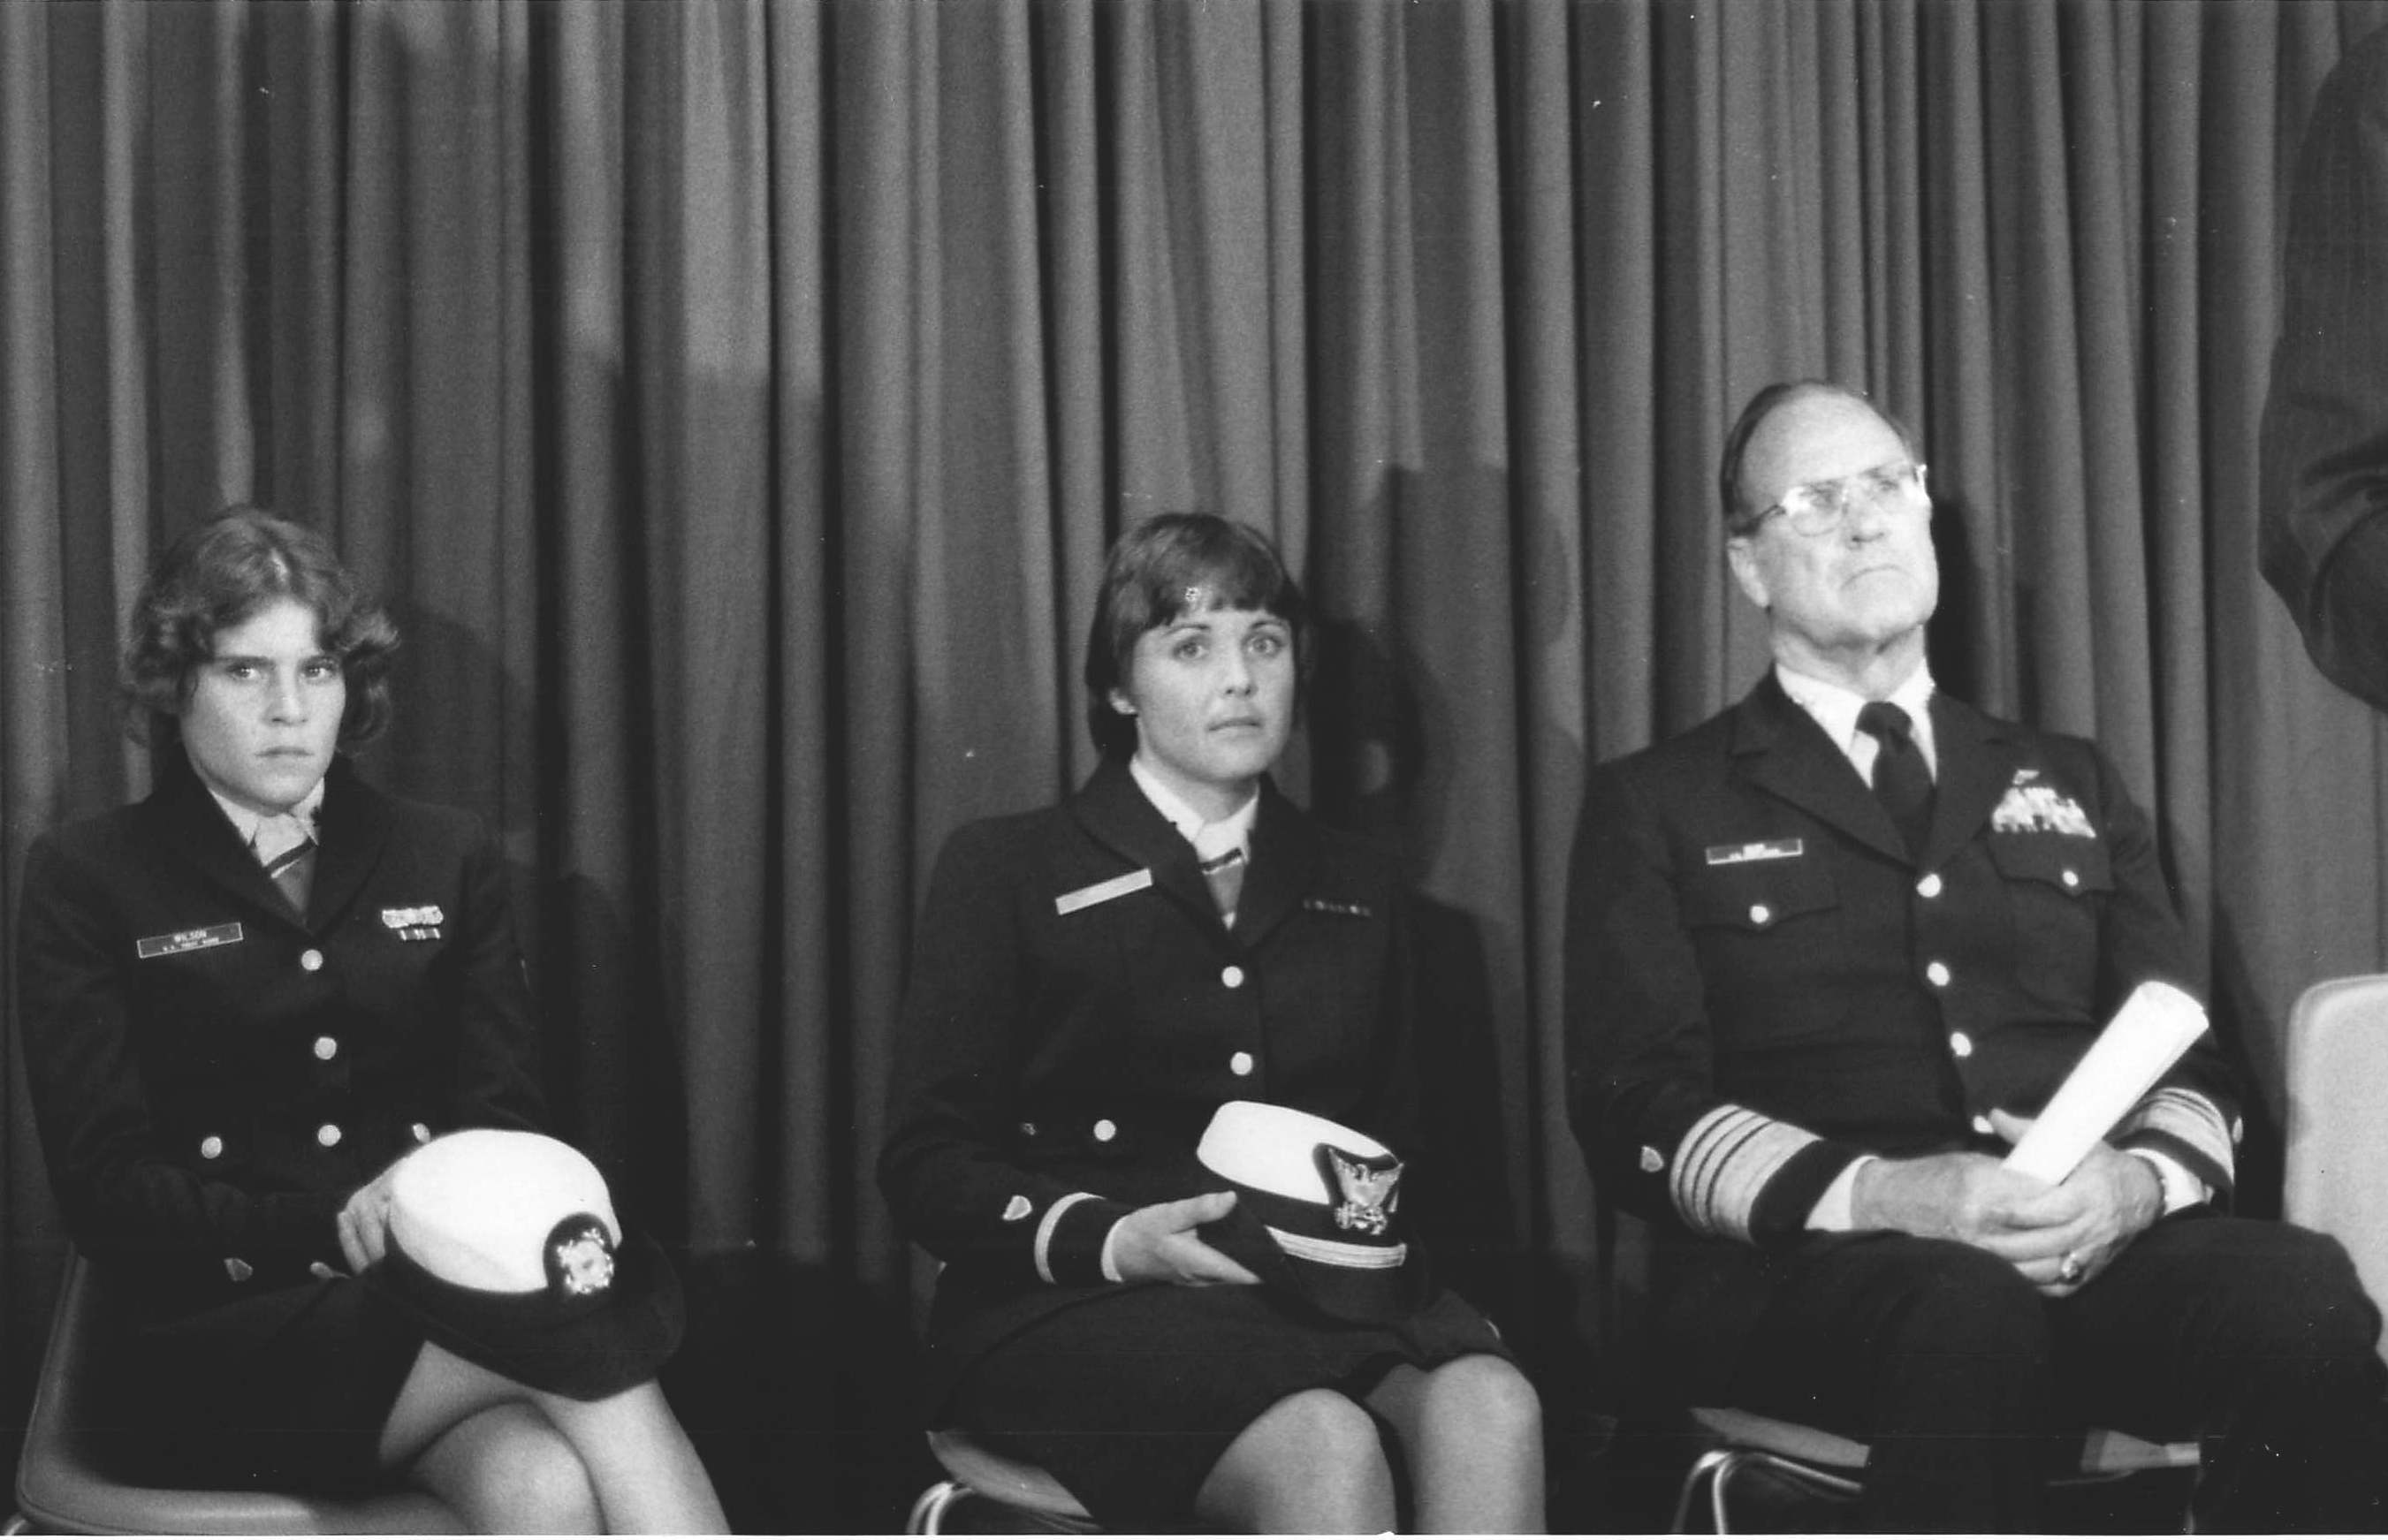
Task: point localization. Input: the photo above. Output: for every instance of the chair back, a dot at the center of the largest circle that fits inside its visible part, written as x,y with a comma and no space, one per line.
2336,1173
64,1485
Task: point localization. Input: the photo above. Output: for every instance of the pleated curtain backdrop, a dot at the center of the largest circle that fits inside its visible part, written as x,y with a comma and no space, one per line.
734,401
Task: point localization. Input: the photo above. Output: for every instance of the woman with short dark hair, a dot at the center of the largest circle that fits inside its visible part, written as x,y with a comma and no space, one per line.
1100,988
246,999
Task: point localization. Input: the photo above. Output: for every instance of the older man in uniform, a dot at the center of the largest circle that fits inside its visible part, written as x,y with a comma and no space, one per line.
1827,952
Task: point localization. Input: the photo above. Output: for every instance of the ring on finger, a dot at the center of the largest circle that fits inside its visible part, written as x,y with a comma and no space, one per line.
2068,1271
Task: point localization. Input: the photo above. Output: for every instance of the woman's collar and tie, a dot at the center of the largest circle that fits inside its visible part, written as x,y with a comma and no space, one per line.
283,843
1223,846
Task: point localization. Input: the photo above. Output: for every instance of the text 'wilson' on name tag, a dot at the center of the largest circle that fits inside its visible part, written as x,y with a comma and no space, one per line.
188,940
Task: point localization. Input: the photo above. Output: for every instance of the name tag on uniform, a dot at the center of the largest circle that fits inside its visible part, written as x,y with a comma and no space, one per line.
1103,892
1757,850
188,940
1337,906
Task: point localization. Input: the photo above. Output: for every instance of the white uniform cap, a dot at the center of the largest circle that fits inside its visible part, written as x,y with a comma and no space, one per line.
1274,1149
475,1208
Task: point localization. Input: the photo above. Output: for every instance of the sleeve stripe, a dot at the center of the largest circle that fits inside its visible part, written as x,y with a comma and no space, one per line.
1045,1227
2184,1115
1724,1164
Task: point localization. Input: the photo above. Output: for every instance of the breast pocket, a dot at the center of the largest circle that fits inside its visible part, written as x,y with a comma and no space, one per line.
1758,897
2055,884
1090,948
1769,934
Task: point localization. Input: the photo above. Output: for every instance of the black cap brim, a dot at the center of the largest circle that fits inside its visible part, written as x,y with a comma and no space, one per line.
1366,1295
583,1349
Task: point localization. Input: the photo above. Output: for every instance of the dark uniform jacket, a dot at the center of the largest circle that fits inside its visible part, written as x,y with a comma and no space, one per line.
211,1075
1076,1013
1762,986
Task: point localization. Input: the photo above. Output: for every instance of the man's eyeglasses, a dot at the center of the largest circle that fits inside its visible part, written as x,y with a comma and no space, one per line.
1818,508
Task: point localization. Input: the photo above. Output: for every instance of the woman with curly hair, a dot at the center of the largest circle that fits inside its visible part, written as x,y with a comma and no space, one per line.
246,998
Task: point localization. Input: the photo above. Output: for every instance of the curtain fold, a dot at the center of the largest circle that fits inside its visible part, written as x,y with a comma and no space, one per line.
734,400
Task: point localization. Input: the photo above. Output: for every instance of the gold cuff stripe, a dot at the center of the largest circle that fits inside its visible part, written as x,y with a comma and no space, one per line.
1724,1164
1045,1232
2186,1116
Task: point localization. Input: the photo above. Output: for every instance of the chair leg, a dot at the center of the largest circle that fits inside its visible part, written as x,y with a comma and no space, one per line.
1702,1469
1718,1467
1726,1469
929,1514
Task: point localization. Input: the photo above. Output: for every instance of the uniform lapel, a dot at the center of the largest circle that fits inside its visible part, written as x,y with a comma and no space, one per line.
1119,816
1785,753
1285,853
188,821
1976,759
353,826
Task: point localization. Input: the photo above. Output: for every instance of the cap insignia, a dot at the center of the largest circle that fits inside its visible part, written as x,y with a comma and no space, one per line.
581,1259
1369,1189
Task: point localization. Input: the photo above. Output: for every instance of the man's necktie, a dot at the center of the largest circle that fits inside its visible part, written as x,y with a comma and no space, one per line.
1221,856
292,865
1900,777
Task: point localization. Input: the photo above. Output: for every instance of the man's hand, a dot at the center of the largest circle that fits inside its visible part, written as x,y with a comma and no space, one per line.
2066,1236
2058,1237
1158,1245
1954,1198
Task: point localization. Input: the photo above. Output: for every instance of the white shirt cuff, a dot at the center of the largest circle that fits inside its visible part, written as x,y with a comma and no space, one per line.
1111,1243
1833,1210
2182,1187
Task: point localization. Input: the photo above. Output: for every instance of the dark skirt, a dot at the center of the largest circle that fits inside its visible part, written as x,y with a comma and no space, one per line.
285,1392
1130,1399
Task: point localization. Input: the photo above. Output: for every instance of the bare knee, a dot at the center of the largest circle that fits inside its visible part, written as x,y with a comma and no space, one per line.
1472,1429
1486,1398
1325,1426
1312,1462
507,1471
548,1490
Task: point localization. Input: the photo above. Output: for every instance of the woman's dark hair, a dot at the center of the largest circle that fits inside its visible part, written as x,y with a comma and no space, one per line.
1155,570
1738,518
217,576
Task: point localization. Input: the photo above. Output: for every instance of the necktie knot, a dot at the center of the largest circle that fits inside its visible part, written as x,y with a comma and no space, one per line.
1885,722
1221,854
284,846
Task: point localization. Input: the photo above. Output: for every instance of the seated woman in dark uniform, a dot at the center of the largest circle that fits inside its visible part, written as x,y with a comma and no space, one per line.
247,997
1091,984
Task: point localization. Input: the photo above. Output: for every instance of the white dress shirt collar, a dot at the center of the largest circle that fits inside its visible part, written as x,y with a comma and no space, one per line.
280,830
1835,709
1188,822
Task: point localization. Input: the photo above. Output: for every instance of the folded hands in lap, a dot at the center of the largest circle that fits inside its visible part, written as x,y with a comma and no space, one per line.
2060,1237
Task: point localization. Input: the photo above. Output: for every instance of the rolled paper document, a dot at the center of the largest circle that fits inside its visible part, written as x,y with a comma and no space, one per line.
2148,1035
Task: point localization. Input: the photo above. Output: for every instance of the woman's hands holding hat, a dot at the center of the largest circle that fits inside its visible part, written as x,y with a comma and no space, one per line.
365,1223
1158,1245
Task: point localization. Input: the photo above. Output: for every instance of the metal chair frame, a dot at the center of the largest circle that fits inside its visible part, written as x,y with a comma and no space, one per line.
64,1485
1829,1464
974,1470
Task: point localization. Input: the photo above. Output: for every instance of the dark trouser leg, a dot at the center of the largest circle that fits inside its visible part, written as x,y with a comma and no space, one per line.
2256,1335
1936,1355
